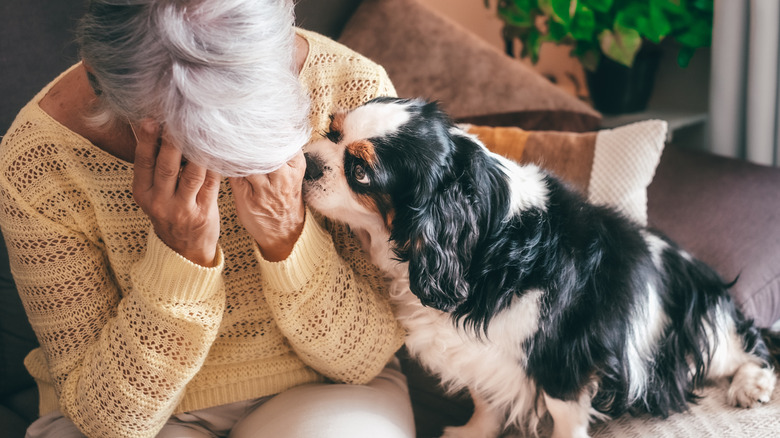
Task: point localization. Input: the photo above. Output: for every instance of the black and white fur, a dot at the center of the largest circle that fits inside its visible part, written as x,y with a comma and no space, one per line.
512,285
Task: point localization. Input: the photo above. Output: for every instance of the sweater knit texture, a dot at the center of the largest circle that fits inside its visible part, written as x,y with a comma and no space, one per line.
130,331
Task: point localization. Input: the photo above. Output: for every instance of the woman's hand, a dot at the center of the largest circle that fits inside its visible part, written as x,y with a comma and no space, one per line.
179,198
270,206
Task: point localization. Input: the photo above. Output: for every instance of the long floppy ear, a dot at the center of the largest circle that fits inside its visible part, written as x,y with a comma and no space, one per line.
438,240
441,233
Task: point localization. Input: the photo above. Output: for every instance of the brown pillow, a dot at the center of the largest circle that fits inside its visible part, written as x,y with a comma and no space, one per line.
612,167
430,56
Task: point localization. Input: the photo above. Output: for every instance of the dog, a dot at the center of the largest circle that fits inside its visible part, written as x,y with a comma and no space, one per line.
510,284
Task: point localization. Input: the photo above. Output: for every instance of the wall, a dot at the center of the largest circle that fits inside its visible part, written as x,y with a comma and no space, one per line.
554,63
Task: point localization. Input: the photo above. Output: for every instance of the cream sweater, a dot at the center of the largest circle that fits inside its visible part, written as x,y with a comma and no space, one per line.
130,331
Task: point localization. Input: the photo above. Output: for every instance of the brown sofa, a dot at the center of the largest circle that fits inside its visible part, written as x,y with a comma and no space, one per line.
724,211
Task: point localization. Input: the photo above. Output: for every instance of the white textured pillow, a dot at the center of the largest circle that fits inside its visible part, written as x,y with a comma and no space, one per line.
624,165
611,167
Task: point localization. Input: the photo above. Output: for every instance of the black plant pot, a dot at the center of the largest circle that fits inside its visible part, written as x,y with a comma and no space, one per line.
617,89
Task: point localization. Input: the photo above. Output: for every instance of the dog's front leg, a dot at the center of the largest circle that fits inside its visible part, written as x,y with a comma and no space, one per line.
570,418
484,423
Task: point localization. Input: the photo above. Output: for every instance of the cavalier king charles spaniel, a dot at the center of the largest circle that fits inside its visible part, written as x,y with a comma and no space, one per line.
510,284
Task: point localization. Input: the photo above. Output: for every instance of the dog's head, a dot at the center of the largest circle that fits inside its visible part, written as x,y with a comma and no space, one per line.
386,152
402,165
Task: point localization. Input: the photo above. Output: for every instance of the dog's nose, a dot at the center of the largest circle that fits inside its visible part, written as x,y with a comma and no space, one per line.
313,167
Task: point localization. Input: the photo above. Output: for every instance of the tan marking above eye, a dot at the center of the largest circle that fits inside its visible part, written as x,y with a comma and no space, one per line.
364,150
337,122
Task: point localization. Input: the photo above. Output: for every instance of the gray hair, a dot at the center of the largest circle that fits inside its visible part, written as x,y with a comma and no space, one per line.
218,73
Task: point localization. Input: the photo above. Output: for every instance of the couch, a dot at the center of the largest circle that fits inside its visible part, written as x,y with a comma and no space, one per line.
724,211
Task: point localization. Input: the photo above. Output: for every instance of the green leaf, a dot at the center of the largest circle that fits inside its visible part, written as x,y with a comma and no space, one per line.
515,16
633,16
671,6
620,44
612,28
588,54
583,24
657,26
562,10
704,5
698,35
526,5
598,5
546,7
647,19
534,43
684,56
557,31
531,39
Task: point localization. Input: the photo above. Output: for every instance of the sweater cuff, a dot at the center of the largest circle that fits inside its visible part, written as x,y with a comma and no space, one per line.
292,273
170,276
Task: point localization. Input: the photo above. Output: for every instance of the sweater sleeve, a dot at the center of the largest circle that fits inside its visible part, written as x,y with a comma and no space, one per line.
330,302
335,316
119,363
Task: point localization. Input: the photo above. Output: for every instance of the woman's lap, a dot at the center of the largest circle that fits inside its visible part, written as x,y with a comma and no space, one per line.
380,409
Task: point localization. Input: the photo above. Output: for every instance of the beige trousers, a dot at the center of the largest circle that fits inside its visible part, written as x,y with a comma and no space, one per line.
380,409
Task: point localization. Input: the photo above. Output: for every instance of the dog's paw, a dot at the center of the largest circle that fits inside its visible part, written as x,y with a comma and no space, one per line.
751,385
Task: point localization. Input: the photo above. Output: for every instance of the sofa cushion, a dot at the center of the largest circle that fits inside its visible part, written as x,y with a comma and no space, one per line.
326,18
428,55
24,403
725,212
612,167
16,335
36,44
711,416
13,426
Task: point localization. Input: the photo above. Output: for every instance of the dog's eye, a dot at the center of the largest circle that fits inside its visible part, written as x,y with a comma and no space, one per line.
360,175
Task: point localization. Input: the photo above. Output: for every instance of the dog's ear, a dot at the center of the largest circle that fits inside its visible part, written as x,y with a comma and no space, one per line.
438,232
436,239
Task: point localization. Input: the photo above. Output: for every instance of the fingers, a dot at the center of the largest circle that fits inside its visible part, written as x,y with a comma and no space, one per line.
179,198
286,179
290,173
157,161
160,168
241,187
298,161
147,137
209,190
191,179
167,167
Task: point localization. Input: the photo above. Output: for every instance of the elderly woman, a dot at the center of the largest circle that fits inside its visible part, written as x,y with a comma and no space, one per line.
167,300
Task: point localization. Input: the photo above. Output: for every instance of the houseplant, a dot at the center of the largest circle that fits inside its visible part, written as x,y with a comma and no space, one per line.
614,38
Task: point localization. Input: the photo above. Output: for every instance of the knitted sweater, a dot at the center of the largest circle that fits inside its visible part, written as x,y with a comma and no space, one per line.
132,332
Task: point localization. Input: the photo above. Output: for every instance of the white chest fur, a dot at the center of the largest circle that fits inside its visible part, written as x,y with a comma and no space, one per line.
491,365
